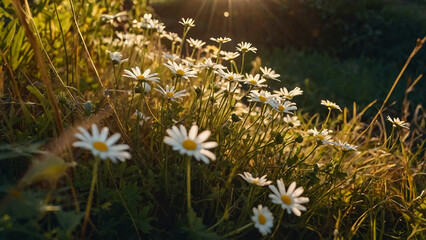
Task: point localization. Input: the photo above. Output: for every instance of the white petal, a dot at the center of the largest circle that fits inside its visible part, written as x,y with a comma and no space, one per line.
193,132
209,145
113,139
209,154
291,188
203,136
104,134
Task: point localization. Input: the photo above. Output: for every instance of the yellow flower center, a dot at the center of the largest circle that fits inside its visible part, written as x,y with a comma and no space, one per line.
253,82
320,137
231,78
255,182
281,108
141,77
101,146
262,219
262,98
189,145
180,72
286,199
169,94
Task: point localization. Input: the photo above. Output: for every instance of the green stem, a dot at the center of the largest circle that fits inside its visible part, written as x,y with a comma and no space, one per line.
238,230
326,120
278,224
242,63
188,182
89,200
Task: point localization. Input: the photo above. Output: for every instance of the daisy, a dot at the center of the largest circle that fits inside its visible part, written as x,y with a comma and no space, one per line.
256,181
229,55
174,37
246,47
268,73
292,120
170,93
190,144
229,75
322,136
221,40
345,146
209,64
289,199
263,219
116,58
255,81
262,96
283,92
398,123
330,105
283,107
189,22
180,71
195,43
141,117
101,145
138,75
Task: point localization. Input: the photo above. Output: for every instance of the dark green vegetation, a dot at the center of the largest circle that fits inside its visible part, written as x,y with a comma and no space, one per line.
349,50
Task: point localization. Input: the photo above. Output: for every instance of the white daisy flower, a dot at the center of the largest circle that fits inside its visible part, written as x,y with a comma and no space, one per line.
289,199
268,73
322,136
138,75
180,71
209,64
283,92
256,181
229,75
174,37
221,40
190,144
229,55
262,96
291,120
172,57
101,145
330,105
246,47
170,93
398,123
189,22
283,107
195,43
141,117
263,219
116,58
255,81
345,146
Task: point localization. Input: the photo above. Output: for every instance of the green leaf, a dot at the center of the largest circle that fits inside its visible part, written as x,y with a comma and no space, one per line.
197,229
68,220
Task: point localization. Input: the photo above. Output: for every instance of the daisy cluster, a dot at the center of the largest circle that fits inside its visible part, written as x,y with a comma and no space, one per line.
190,98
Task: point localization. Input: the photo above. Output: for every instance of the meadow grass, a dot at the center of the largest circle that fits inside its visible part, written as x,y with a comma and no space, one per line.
94,145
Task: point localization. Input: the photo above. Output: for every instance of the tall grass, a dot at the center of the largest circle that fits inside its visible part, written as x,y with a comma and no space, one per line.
58,75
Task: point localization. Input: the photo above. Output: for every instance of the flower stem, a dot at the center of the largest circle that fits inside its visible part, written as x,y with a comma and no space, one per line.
326,120
278,224
188,182
89,200
238,230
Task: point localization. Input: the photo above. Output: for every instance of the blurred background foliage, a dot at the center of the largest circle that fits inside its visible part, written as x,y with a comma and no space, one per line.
351,49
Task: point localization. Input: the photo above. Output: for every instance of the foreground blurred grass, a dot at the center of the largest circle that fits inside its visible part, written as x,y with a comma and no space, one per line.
373,193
